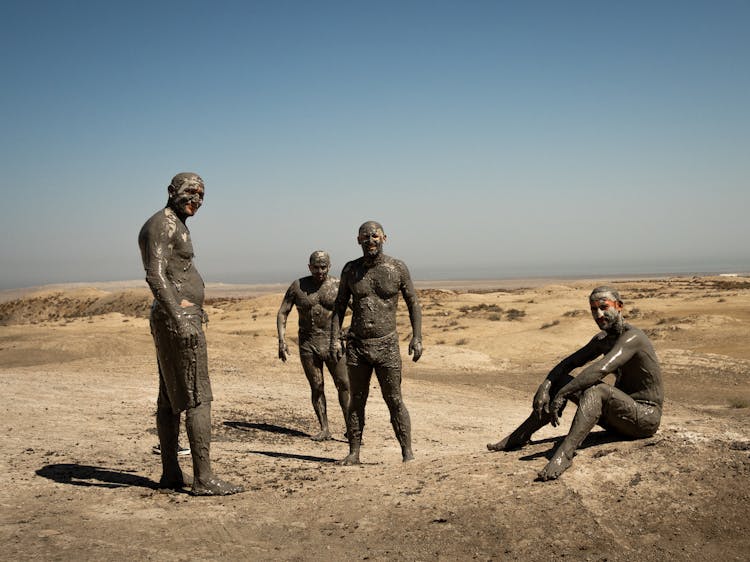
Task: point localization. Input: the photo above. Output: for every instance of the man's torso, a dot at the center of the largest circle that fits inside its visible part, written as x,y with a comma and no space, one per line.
173,244
315,306
374,291
640,377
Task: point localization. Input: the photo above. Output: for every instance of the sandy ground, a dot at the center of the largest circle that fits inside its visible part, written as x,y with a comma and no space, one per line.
78,478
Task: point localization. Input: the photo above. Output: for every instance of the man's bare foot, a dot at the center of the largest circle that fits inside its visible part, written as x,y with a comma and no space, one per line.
505,445
215,487
323,435
558,464
177,482
350,460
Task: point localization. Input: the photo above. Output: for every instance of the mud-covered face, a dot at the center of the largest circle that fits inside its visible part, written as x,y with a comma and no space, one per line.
187,198
319,268
371,238
606,313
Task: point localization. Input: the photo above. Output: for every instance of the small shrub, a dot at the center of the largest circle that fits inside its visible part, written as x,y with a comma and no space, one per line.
574,313
494,317
515,314
549,324
462,341
738,403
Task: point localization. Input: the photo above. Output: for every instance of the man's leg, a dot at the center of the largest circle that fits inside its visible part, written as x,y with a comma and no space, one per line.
313,367
522,434
198,424
359,384
390,385
168,429
341,380
590,406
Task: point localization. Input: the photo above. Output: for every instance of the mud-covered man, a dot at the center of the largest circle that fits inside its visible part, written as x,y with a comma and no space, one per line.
373,283
177,319
631,408
314,297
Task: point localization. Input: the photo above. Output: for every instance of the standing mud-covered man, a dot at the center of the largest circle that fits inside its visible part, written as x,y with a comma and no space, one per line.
314,297
373,283
176,325
631,408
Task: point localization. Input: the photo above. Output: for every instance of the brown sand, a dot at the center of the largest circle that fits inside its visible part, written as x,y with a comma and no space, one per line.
77,473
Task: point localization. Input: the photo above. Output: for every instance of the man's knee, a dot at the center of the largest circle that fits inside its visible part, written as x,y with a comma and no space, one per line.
592,400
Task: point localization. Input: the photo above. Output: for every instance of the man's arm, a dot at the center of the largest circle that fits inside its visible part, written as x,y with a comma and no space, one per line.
339,311
625,347
281,318
577,359
155,244
415,312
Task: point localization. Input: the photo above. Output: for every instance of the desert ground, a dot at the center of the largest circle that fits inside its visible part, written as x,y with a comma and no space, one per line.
78,475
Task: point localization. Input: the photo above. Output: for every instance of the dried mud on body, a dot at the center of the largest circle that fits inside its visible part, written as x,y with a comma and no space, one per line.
78,476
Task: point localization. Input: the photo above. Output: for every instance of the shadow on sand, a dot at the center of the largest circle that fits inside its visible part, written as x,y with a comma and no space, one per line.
595,438
308,458
267,427
84,475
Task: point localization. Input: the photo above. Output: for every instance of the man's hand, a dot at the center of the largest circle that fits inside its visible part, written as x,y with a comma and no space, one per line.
415,349
188,331
337,349
541,399
555,409
283,350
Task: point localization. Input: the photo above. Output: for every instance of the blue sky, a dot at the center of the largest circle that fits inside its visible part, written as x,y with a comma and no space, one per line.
491,139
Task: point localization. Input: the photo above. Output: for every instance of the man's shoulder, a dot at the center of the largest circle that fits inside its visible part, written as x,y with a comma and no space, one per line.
396,263
164,216
631,333
353,264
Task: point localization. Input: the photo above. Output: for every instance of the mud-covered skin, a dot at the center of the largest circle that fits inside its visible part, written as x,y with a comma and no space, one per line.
177,319
314,296
372,284
631,408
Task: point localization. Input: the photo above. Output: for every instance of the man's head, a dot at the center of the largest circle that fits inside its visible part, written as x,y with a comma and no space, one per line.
371,237
320,264
186,193
606,307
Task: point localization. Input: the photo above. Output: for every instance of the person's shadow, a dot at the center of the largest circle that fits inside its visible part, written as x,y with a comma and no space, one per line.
593,439
85,475
281,430
266,427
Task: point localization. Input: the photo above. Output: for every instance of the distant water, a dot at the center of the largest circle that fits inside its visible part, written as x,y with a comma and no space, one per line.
424,274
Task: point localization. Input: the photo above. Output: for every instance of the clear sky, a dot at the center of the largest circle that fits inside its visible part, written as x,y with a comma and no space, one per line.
490,138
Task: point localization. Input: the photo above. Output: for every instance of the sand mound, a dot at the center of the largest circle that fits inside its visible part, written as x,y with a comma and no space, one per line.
48,306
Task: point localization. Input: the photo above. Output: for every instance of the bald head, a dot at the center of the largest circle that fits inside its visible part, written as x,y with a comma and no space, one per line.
605,293
371,225
319,256
185,177
320,263
186,192
371,238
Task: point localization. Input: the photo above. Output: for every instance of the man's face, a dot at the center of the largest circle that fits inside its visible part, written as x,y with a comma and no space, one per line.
371,238
606,312
188,197
319,269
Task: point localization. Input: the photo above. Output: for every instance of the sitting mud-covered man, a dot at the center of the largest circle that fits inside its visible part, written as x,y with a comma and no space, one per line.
631,408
